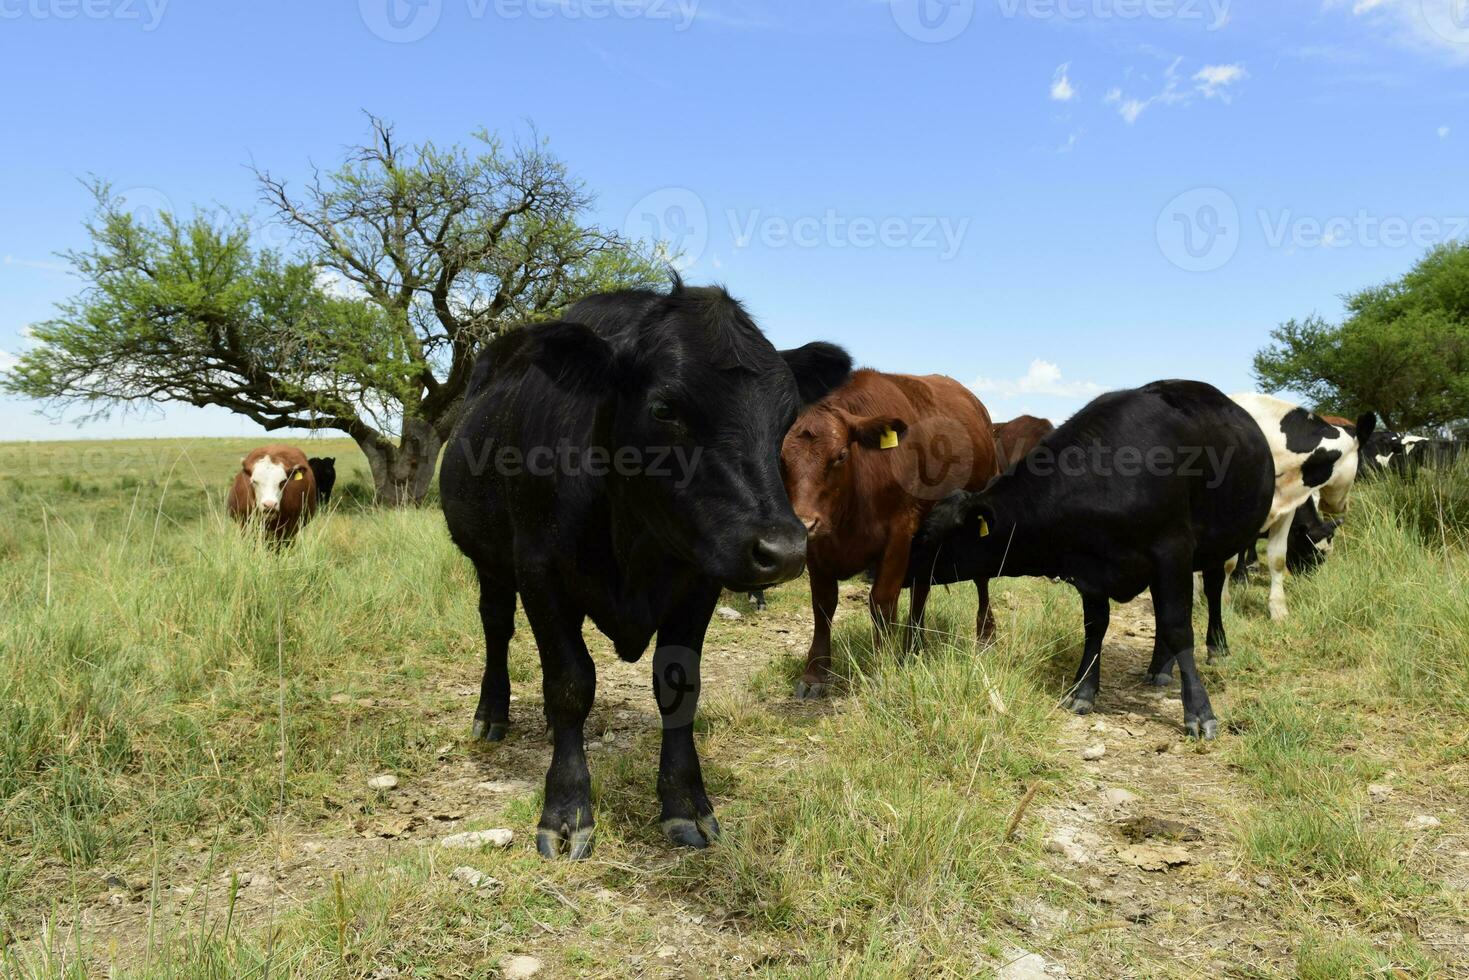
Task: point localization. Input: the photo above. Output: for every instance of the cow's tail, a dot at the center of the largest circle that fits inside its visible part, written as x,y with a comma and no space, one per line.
1366,425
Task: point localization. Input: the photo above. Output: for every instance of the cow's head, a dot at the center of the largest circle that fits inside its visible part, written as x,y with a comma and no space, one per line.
693,404
269,478
1337,489
818,459
1311,539
958,541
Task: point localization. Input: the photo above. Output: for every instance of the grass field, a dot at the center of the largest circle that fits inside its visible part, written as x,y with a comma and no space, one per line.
188,721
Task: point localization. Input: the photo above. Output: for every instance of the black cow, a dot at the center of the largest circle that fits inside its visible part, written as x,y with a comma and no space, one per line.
1429,452
623,465
325,471
1310,541
1136,491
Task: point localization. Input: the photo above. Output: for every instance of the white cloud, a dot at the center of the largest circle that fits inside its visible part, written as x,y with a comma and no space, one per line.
1070,143
1443,132
1043,378
1061,88
1213,81
7,361
39,264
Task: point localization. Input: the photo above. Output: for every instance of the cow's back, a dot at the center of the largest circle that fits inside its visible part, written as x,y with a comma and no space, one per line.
1294,435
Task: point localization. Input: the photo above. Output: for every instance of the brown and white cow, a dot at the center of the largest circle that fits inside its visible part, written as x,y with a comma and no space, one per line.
1313,458
275,486
1016,438
863,468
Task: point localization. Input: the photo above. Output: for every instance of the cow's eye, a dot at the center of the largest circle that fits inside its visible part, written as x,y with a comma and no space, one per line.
842,456
662,411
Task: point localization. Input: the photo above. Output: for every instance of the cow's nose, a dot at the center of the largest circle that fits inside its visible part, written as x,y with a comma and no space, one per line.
778,554
812,523
269,504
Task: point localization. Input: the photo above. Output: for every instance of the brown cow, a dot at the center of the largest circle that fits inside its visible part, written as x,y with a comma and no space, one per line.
1016,438
863,467
275,484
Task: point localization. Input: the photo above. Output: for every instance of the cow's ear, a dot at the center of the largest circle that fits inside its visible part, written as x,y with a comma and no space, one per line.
573,356
979,516
1366,425
877,431
819,368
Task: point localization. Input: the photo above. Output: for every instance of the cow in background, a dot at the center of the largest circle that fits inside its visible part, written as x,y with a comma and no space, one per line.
1310,542
275,486
1312,457
325,471
1016,438
1135,492
863,467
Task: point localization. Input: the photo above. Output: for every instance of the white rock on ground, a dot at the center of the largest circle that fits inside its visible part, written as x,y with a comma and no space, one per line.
474,878
1075,844
1117,796
1093,752
1379,791
385,781
725,612
478,838
1022,965
1423,822
520,967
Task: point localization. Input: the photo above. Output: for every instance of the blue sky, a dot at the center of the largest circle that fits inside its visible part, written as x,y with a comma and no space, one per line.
1042,198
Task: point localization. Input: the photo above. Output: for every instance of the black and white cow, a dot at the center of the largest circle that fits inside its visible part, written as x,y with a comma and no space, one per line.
1423,451
1136,491
1312,458
623,465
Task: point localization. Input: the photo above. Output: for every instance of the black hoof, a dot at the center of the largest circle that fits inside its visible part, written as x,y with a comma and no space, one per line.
1217,653
1207,729
810,692
698,833
575,845
1160,680
1080,706
490,731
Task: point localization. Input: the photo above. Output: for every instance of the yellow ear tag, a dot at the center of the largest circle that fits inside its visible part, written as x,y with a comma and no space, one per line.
889,439
300,476
984,528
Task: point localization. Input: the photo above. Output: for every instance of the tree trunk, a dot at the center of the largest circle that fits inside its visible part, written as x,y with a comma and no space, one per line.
402,472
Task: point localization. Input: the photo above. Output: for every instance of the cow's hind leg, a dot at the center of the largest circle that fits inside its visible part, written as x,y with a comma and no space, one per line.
1215,581
1096,611
497,616
688,817
984,619
569,684
1275,552
1173,605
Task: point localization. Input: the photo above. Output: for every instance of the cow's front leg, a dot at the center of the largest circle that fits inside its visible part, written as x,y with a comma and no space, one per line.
1096,613
887,588
1215,582
984,619
569,682
687,818
914,636
1275,553
815,682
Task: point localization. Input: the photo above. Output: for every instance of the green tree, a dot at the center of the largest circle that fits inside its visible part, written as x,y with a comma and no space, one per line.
1402,351
408,261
